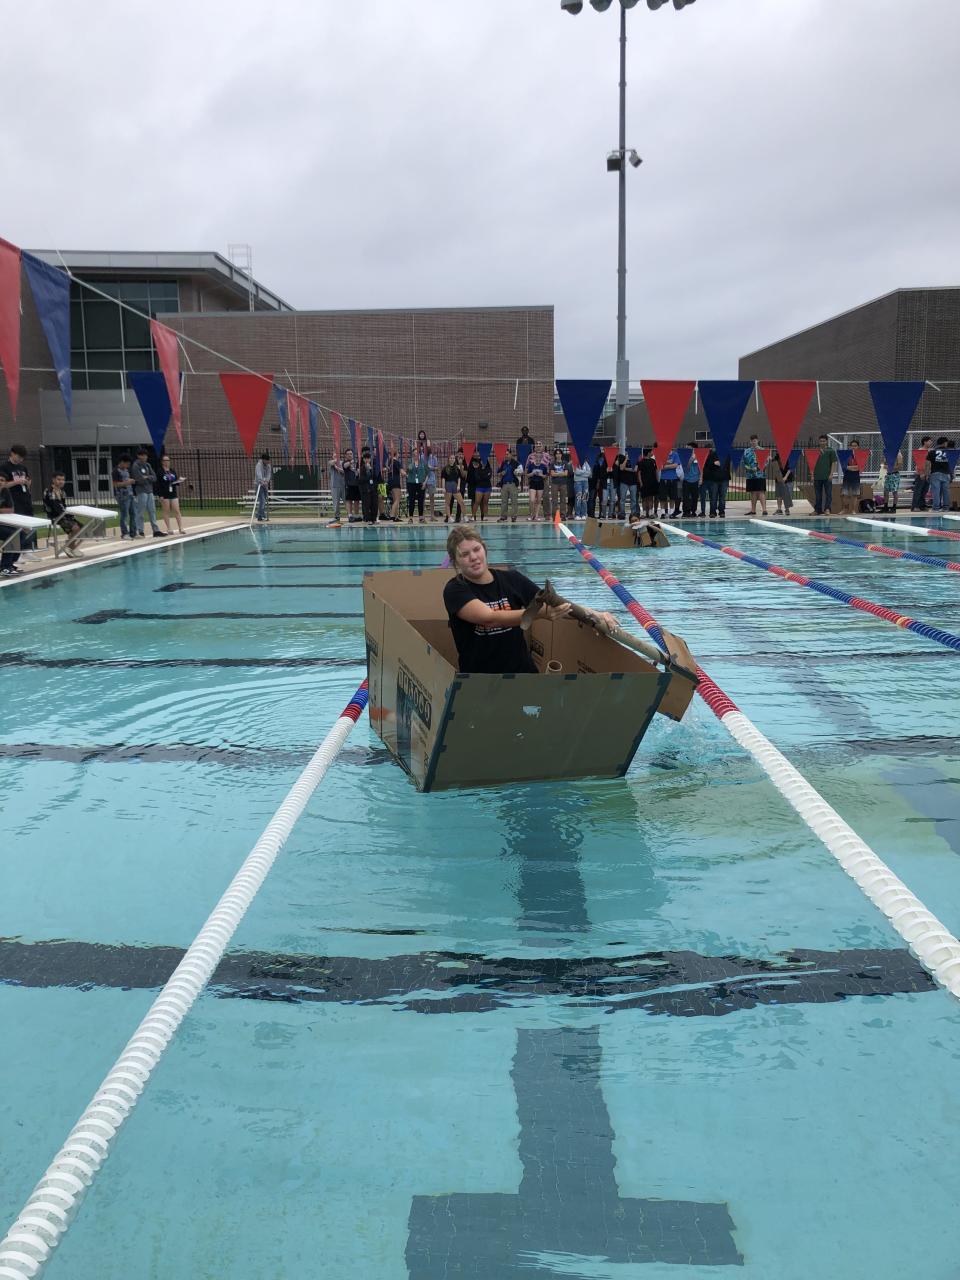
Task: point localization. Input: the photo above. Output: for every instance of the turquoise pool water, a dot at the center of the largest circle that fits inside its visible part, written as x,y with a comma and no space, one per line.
633,1028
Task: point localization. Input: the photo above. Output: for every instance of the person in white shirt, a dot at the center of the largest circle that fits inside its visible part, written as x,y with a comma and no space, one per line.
263,478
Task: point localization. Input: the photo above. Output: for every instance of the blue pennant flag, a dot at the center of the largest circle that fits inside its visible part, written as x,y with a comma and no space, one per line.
483,449
281,397
894,403
685,455
154,401
633,454
51,293
793,460
314,412
582,401
523,453
843,457
724,404
735,456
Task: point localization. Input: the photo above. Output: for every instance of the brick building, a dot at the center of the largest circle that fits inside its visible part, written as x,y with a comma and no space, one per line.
479,372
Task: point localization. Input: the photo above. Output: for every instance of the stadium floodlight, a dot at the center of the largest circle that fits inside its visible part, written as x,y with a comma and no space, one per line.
601,6
571,6
634,159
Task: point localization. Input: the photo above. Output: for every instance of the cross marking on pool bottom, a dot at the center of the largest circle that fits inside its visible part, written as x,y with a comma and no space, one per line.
568,1202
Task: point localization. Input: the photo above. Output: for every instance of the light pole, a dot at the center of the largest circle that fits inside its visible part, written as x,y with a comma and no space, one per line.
616,163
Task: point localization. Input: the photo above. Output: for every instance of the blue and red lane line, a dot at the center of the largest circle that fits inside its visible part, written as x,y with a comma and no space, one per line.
354,708
718,702
924,629
937,561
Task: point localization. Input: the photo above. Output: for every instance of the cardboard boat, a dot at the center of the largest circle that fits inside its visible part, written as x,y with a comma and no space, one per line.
613,533
449,729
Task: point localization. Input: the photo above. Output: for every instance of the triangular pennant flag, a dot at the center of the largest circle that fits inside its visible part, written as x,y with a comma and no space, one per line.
724,404
894,404
280,395
736,457
51,293
293,417
371,440
500,452
483,449
684,455
574,456
701,455
150,388
953,455
469,447
667,404
379,448
610,452
811,456
354,438
336,427
523,453
633,453
762,457
919,459
844,456
247,395
10,320
792,460
313,413
786,404
582,401
862,456
168,350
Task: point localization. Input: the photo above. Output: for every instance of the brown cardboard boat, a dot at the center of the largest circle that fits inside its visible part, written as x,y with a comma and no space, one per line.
449,729
614,533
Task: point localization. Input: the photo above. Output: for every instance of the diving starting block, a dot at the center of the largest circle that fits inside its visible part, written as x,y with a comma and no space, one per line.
12,525
92,522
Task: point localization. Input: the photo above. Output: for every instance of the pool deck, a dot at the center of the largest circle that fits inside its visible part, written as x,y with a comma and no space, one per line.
40,563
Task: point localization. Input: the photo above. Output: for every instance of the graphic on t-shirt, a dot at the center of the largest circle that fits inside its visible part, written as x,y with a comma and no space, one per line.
502,603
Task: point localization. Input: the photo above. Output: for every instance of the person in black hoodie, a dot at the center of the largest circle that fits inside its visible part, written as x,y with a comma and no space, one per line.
649,478
15,497
598,485
368,478
716,478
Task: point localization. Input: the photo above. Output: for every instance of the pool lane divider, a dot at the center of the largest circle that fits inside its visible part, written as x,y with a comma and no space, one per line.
927,937
29,1244
937,634
918,531
893,553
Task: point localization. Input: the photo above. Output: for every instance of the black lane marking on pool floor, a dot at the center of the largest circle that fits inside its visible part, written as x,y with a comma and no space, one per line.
176,752
562,1113
677,983
32,660
127,615
373,567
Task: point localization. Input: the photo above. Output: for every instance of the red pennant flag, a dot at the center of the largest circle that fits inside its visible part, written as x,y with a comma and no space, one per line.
811,456
293,413
762,456
379,448
666,402
862,456
919,459
247,395
165,340
305,426
701,457
469,449
10,319
336,424
500,452
786,404
574,456
610,452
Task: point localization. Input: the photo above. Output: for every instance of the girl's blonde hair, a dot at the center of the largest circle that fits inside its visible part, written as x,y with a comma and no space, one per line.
456,537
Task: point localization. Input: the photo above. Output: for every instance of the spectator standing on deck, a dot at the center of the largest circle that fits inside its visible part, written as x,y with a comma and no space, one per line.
351,485
484,485
144,504
850,494
168,491
55,505
536,479
783,477
598,485
15,497
430,483
756,479
263,479
123,495
627,487
368,479
716,477
648,477
891,485
509,502
921,481
691,483
451,488
416,478
671,477
939,472
823,478
394,481
338,486
581,487
559,471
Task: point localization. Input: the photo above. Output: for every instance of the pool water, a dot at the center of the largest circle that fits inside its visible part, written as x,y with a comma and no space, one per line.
642,1027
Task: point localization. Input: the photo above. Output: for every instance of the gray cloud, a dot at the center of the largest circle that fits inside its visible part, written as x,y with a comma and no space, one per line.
799,157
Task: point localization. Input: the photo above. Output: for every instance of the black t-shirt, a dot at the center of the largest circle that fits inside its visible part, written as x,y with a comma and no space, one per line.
484,476
393,473
495,652
938,459
17,497
167,486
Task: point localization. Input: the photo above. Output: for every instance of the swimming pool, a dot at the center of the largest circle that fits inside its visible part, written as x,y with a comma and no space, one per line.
642,1027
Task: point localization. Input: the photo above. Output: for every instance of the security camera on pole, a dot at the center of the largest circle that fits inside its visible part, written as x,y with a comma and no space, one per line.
615,164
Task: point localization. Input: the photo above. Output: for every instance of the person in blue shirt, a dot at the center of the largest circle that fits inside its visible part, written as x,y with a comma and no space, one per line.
756,478
537,466
509,486
691,484
671,476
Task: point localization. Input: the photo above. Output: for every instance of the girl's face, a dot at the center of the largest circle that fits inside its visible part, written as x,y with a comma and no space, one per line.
165,463
471,559
452,461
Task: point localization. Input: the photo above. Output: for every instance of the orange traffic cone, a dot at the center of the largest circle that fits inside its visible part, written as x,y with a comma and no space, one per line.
556,516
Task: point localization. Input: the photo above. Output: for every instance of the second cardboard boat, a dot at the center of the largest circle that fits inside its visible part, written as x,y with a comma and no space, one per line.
614,533
583,715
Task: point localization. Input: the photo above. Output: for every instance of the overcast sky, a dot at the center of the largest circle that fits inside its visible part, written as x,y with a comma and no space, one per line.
800,156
